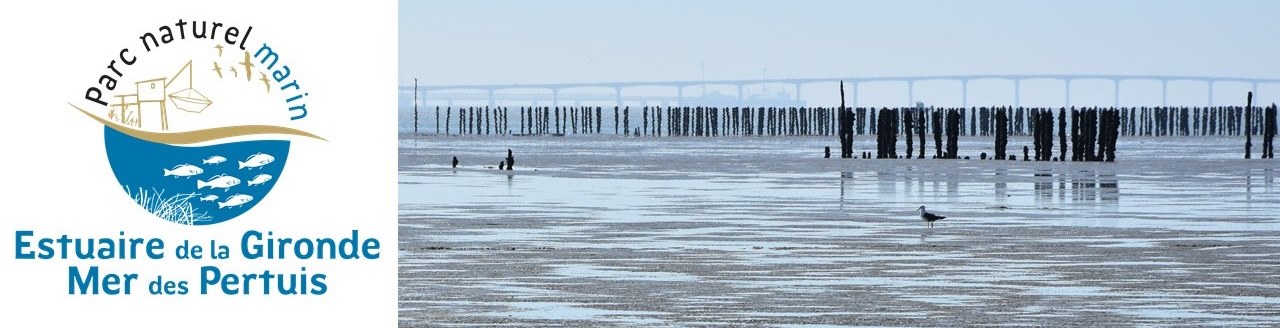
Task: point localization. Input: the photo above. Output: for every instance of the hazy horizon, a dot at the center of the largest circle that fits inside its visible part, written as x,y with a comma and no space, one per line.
565,41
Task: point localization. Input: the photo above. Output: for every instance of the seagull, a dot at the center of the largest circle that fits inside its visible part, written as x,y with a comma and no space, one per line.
929,217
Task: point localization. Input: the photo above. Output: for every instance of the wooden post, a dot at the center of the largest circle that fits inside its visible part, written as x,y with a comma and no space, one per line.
1001,121
1248,135
953,134
920,124
644,120
907,129
937,133
1269,132
846,127
415,106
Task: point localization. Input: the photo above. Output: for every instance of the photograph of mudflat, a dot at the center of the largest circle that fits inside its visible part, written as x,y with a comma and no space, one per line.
838,163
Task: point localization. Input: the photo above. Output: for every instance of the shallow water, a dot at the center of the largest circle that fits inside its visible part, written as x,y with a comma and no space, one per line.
675,231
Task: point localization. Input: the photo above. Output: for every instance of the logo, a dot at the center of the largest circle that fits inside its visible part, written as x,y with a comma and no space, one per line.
195,119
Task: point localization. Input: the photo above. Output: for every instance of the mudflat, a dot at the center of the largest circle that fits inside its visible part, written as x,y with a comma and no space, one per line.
600,231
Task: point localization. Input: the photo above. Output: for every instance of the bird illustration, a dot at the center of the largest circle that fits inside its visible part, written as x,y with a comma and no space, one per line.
219,47
265,82
248,66
234,72
929,217
217,69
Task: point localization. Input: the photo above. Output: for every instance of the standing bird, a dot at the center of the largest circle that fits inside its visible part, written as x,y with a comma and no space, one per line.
929,217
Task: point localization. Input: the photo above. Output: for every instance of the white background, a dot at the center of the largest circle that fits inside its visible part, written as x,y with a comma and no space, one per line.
57,181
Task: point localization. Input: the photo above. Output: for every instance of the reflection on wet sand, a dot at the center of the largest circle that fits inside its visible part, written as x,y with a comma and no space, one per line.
1268,181
1079,187
592,240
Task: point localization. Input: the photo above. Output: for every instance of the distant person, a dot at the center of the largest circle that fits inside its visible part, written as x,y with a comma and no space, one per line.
826,152
455,162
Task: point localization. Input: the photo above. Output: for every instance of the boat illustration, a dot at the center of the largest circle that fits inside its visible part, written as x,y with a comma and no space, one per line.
188,99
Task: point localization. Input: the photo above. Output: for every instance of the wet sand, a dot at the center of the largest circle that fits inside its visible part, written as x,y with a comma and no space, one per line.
602,231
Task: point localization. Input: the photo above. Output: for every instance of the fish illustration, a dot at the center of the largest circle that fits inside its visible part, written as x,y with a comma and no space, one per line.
209,198
183,170
235,200
215,159
257,160
259,179
218,181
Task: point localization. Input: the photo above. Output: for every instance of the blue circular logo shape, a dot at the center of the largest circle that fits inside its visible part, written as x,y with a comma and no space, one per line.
195,185
202,171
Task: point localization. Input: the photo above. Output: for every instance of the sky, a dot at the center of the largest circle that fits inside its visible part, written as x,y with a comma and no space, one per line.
509,42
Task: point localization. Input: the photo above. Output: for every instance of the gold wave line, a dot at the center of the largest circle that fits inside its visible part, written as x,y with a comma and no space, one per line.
198,136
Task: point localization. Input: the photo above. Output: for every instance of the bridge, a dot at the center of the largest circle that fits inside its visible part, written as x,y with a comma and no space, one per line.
551,93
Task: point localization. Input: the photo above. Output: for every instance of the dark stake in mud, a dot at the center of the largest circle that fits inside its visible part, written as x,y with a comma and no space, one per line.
1268,131
920,130
448,116
511,160
1002,133
953,134
1248,124
846,127
415,107
937,134
644,119
1062,134
907,130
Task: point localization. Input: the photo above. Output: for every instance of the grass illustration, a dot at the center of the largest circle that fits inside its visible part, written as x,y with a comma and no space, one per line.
175,208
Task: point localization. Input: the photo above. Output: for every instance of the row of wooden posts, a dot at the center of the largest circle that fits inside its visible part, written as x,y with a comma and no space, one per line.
822,121
1093,131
